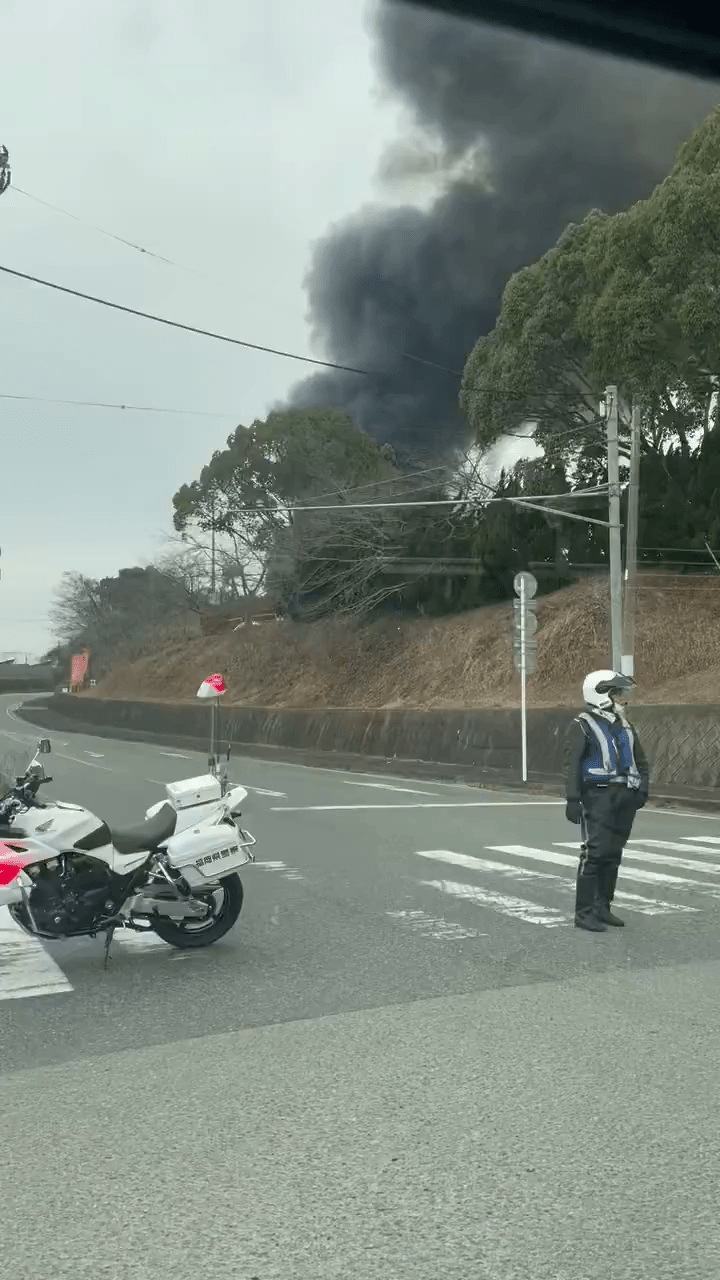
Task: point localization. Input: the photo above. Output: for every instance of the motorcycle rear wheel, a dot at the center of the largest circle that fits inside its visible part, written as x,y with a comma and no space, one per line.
227,900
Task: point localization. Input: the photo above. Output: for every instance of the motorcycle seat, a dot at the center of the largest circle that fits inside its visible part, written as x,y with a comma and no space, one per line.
146,836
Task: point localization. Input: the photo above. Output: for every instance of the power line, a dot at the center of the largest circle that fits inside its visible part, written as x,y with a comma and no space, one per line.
431,502
431,364
187,328
133,408
170,262
147,408
371,484
222,337
130,244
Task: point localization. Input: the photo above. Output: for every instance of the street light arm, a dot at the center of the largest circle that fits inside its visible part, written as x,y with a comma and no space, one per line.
554,511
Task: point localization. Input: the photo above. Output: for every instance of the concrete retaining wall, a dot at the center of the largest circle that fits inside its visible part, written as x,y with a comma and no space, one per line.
682,743
20,685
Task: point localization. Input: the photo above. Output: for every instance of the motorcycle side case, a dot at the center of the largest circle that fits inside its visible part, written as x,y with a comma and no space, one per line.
210,851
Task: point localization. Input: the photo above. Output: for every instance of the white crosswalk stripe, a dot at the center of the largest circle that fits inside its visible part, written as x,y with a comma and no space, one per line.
554,873
632,901
692,862
434,927
628,872
672,846
26,969
641,855
504,904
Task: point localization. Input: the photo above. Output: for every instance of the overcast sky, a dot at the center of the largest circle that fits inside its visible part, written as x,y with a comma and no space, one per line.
226,136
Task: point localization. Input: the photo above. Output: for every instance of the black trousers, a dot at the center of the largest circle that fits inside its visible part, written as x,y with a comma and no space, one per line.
607,822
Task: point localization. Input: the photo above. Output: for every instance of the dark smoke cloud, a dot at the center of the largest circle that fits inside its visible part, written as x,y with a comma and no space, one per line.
540,134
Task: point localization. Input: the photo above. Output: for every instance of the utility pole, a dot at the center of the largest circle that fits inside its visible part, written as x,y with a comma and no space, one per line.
631,539
212,549
616,602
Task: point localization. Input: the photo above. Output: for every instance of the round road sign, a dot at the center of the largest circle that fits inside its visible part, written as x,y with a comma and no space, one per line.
529,582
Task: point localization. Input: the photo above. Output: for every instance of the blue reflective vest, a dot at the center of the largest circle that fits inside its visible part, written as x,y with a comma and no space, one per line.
610,756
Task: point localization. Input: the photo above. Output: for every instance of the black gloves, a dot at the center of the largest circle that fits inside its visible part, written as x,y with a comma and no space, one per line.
573,812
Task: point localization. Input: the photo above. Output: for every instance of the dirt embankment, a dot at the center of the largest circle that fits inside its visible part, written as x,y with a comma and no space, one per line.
462,661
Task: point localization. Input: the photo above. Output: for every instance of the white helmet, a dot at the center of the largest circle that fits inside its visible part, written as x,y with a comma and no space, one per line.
600,685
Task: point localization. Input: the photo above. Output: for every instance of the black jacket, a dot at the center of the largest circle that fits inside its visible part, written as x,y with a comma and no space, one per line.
577,746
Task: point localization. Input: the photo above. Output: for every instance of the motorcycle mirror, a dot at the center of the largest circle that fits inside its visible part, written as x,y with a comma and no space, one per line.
44,747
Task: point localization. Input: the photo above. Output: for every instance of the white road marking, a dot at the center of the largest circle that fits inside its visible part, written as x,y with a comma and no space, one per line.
627,873
147,940
260,791
471,863
703,839
99,755
430,926
650,906
634,901
516,908
387,786
683,813
671,845
436,804
89,763
287,873
26,969
639,855
174,755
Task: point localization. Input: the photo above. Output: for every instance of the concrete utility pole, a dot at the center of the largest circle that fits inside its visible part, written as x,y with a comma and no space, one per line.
631,538
616,602
212,550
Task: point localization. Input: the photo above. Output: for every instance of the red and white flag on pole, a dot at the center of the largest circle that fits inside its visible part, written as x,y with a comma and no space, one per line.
213,687
78,668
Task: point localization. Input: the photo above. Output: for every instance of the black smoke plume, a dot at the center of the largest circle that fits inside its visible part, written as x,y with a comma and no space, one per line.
523,136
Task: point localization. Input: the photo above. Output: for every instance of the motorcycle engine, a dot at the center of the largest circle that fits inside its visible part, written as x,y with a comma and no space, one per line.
71,900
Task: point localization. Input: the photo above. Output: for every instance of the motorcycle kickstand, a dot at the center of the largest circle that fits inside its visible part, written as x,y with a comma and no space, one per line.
109,934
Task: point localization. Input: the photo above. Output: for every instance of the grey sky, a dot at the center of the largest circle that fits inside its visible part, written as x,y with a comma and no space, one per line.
226,136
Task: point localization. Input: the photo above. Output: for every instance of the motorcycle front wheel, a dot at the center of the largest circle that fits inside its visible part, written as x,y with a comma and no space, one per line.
225,900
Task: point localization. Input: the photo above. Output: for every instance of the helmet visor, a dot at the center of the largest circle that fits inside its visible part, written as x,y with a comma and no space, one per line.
618,684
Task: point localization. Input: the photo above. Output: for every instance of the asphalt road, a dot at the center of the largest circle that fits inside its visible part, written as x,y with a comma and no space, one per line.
402,1062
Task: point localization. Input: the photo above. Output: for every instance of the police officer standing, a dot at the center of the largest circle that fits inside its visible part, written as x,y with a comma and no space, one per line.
606,782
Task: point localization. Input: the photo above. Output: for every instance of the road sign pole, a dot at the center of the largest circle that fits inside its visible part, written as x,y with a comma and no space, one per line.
523,673
524,648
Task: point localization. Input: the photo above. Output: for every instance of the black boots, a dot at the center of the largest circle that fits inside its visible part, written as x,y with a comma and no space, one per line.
586,897
606,881
594,891
605,915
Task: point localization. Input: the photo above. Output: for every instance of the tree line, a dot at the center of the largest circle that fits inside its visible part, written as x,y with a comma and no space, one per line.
318,517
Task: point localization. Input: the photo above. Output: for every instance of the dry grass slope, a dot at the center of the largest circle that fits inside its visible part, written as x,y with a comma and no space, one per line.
463,661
